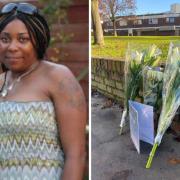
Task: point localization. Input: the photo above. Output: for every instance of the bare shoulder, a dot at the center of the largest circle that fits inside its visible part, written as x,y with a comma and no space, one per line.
57,72
60,78
64,87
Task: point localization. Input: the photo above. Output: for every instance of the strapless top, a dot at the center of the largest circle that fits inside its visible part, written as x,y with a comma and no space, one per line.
30,147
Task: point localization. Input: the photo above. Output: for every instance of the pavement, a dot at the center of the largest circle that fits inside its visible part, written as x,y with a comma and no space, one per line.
114,157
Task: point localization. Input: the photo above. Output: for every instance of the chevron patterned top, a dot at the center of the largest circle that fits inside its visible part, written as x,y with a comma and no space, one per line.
30,146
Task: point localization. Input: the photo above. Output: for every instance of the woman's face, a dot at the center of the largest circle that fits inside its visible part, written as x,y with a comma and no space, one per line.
17,51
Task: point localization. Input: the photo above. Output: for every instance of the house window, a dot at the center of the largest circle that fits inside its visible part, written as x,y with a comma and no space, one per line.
123,22
138,22
153,21
170,20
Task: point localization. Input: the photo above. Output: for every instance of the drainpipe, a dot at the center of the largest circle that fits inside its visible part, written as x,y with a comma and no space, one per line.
177,33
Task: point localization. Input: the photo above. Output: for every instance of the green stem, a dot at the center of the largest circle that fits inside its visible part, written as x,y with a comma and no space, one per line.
151,155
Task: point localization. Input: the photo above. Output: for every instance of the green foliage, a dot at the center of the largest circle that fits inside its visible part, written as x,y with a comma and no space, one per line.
55,11
84,72
115,47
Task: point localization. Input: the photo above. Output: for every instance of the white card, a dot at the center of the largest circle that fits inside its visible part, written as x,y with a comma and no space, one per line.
141,123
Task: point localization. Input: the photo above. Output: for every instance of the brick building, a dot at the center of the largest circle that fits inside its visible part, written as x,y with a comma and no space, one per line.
159,24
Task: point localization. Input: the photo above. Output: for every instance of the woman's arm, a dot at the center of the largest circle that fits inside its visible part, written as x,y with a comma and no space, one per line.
71,115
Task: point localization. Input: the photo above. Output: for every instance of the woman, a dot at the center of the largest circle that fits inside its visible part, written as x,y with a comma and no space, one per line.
42,107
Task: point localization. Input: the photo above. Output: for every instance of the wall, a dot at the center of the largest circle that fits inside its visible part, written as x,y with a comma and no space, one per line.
108,77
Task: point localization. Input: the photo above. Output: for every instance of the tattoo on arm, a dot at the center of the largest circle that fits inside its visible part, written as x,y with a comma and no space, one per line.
75,97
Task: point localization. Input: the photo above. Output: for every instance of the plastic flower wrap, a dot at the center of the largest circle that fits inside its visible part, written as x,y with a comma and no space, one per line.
134,63
152,86
170,96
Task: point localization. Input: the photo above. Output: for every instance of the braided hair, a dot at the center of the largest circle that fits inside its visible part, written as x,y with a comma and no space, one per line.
37,28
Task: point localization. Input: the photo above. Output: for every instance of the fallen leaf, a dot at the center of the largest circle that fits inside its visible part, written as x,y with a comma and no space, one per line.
174,161
122,175
107,104
177,138
175,126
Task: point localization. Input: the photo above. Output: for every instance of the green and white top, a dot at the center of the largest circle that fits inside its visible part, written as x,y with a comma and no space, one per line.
30,146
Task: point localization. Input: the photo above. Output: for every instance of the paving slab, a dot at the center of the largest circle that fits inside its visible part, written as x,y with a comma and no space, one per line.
114,157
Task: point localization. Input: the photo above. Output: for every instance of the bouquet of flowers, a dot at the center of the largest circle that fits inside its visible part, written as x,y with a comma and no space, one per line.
152,86
135,61
170,97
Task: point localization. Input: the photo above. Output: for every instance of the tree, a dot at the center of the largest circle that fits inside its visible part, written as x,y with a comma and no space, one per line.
113,8
96,23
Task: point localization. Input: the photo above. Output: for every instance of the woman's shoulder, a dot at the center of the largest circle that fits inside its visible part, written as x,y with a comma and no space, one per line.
56,71
62,84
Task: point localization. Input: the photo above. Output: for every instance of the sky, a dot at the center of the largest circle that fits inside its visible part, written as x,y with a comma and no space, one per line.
154,6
